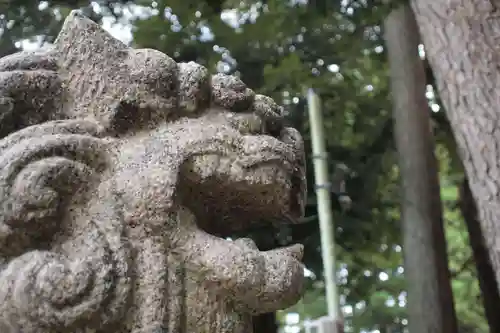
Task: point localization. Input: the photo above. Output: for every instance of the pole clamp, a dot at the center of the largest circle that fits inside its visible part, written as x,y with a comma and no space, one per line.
320,156
326,186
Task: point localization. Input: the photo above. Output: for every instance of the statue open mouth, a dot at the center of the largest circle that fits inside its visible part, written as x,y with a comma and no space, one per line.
228,193
257,281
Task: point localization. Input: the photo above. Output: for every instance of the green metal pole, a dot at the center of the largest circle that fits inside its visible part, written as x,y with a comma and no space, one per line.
322,182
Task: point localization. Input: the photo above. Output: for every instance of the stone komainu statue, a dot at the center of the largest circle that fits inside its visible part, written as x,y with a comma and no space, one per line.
121,171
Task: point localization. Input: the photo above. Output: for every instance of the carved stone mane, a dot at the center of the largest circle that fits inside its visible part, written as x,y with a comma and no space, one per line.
119,170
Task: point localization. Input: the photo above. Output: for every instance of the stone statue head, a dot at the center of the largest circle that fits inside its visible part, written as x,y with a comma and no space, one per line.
121,173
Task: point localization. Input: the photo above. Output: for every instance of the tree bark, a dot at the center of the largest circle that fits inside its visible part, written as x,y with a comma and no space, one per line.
430,298
461,40
485,272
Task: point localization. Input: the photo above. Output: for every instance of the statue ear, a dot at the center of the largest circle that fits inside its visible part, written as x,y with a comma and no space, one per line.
40,167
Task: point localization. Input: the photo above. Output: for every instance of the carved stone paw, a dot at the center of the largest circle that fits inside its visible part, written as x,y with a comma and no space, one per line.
285,274
283,281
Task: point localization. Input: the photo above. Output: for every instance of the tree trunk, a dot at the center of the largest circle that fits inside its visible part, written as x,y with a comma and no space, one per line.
430,298
461,40
485,272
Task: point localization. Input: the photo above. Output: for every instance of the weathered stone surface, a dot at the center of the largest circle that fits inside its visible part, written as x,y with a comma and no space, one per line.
118,168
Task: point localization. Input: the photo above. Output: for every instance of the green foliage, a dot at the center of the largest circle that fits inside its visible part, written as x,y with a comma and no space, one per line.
464,276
